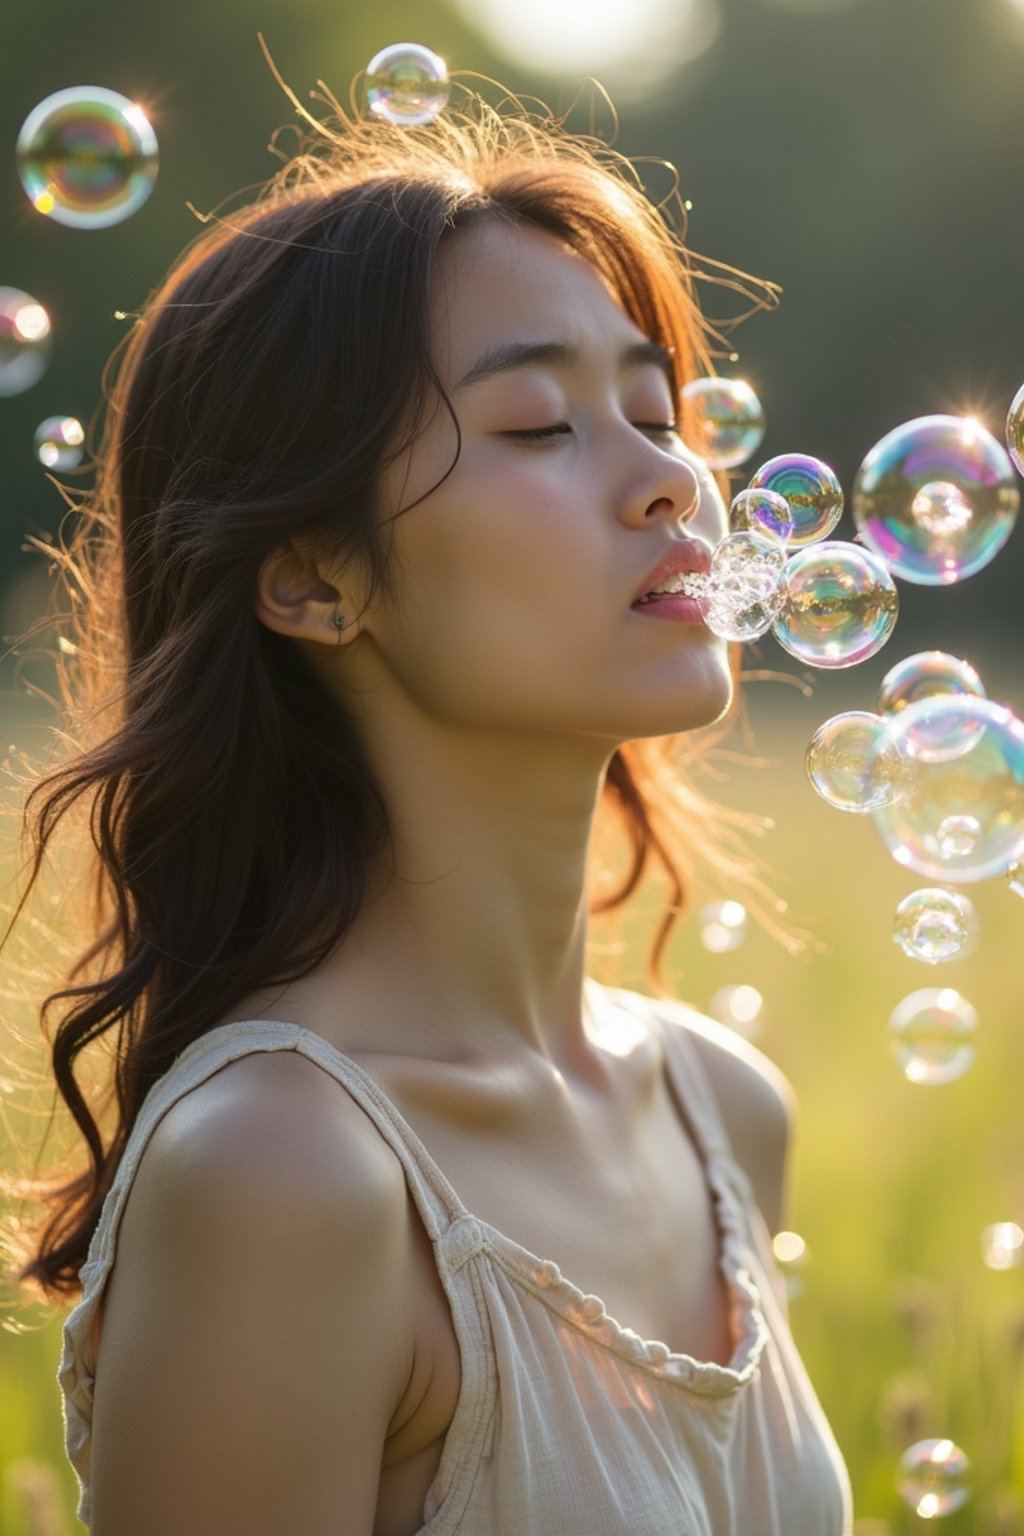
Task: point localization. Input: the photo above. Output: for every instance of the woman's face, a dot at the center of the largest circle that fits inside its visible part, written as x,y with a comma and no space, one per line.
517,574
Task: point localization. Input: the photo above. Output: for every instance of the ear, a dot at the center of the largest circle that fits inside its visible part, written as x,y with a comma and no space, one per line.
294,598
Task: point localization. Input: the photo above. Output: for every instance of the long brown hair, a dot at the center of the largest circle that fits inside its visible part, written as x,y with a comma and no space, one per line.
222,805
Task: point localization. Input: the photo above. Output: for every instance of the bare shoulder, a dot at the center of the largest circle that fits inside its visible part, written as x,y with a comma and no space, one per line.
756,1101
254,1348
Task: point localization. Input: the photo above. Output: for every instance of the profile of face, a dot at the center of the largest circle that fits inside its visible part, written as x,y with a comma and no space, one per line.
519,569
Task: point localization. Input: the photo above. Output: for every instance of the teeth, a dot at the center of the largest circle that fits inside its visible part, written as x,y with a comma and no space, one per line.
690,583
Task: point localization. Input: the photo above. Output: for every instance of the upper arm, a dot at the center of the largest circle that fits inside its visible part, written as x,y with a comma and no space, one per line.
757,1104
256,1338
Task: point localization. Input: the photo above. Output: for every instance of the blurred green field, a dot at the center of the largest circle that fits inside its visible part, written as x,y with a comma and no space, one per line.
904,1330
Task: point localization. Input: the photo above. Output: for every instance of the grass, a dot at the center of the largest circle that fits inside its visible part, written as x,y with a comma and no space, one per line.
905,1332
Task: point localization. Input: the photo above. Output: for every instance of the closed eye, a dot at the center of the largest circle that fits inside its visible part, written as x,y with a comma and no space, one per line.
560,428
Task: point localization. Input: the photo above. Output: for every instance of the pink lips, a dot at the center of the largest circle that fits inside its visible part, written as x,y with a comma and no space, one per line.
683,555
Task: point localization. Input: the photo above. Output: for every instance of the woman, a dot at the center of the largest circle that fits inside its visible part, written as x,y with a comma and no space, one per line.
405,1223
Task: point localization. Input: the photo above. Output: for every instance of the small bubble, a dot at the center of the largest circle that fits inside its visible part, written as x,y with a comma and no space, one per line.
58,442
932,1478
933,924
931,1035
958,836
406,84
730,420
24,341
812,490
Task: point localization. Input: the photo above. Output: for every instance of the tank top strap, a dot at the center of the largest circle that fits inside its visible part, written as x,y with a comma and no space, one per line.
688,1081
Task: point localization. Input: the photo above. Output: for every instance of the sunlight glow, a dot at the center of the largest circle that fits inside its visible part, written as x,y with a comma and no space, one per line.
630,47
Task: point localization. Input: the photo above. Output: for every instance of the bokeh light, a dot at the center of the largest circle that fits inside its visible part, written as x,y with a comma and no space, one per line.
58,442
24,341
722,926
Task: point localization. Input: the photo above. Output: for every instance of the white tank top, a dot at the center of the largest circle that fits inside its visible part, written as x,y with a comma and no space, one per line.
566,1421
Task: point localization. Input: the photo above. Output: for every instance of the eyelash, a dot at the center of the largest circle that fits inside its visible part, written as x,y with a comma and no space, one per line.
539,434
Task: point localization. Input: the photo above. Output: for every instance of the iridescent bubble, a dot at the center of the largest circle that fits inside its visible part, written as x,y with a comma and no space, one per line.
406,84
1002,1245
763,512
741,1007
59,442
931,1481
923,674
87,157
24,341
936,498
814,494
730,420
931,1035
933,925
723,926
793,1257
960,817
852,764
742,596
1015,429
839,605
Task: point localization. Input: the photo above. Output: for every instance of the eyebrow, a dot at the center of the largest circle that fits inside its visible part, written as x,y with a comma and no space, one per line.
525,354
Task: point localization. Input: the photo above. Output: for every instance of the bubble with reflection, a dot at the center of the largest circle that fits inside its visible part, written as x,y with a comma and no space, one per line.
936,498
58,442
933,924
24,341
1015,429
763,512
722,926
839,605
960,817
851,763
730,421
406,84
87,157
741,1007
932,1480
931,1034
1002,1245
742,596
793,1257
812,490
923,674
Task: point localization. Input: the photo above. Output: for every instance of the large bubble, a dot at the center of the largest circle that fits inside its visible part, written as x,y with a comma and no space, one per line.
839,605
924,674
58,442
931,1033
742,595
87,157
406,84
933,924
24,341
960,817
730,420
936,498
932,1478
1015,429
852,764
814,494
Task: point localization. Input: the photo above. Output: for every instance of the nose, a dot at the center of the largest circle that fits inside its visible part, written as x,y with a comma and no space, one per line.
669,492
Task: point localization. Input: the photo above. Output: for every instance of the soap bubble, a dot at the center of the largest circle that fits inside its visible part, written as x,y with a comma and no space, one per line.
406,84
87,157
723,926
839,605
960,817
930,1032
763,512
59,442
852,764
1015,879
742,594
741,1007
730,420
793,1257
1002,1245
936,498
932,924
923,674
932,1474
814,494
24,341
1015,429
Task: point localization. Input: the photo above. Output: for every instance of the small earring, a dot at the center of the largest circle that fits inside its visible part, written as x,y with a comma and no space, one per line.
339,624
